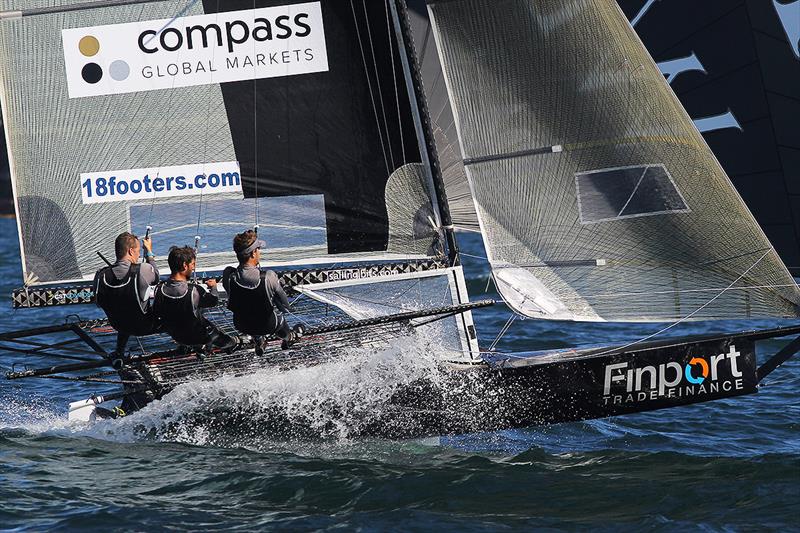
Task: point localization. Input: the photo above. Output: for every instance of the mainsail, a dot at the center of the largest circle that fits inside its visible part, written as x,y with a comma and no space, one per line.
597,197
201,119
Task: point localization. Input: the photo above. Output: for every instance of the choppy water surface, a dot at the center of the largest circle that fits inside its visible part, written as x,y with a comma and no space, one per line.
189,463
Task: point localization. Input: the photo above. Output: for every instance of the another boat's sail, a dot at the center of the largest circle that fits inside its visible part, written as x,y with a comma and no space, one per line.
735,66
597,197
206,118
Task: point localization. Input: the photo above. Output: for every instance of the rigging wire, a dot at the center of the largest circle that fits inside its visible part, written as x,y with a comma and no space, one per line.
172,92
369,86
394,78
378,82
503,330
197,235
255,133
690,315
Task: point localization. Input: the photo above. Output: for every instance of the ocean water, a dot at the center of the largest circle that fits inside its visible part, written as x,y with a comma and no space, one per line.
724,466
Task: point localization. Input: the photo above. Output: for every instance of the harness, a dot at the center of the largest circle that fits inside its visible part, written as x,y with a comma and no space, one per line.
254,312
120,300
178,317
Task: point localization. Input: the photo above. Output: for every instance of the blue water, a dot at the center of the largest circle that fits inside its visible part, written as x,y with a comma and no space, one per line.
724,466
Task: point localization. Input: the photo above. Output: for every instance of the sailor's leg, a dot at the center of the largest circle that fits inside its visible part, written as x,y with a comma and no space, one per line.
223,341
283,330
289,335
122,343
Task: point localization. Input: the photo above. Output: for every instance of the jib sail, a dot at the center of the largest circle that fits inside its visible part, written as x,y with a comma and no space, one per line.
202,119
597,197
735,67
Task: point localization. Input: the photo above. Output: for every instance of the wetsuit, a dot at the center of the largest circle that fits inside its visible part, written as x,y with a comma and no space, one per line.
257,301
179,306
123,292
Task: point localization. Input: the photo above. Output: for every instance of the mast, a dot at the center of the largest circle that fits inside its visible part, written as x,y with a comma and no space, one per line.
422,122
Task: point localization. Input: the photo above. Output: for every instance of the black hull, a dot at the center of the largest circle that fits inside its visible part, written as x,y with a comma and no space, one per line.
492,393
551,388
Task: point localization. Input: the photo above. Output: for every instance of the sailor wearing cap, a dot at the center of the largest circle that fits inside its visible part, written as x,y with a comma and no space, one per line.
255,296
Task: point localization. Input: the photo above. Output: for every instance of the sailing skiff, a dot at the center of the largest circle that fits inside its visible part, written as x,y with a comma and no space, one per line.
596,196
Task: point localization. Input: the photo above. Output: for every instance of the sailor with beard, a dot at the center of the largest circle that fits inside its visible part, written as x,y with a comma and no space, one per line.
179,303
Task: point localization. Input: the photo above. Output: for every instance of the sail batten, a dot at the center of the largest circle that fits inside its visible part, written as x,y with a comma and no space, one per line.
632,181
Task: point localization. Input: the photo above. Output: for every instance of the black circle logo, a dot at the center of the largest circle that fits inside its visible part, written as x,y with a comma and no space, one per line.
92,73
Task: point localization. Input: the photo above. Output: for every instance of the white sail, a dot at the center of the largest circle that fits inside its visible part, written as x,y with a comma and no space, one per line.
597,197
202,123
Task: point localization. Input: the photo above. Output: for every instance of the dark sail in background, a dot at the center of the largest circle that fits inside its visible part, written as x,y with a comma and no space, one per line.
734,64
340,133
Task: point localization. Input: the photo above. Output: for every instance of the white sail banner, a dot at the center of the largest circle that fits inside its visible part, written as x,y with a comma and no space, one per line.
195,50
163,182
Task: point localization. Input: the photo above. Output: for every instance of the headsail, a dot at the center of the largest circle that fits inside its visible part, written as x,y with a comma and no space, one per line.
734,65
597,197
211,117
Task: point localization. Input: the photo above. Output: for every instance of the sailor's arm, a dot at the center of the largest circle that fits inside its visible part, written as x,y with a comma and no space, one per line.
280,297
148,272
226,278
206,298
150,259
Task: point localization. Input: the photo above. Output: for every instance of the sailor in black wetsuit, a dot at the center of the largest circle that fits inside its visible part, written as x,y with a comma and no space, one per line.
255,296
123,290
179,304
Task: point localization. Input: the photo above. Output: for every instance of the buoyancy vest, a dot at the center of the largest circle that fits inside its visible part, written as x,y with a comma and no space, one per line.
254,312
120,300
178,319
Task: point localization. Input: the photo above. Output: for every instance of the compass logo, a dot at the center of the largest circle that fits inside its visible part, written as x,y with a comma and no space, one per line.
230,46
92,72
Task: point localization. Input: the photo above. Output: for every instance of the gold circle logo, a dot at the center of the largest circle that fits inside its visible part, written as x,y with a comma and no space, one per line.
89,46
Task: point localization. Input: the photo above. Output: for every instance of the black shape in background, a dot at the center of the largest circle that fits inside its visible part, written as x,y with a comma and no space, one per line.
751,70
318,133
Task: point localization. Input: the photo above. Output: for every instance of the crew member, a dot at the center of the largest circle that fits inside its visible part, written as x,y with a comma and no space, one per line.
255,296
123,290
179,304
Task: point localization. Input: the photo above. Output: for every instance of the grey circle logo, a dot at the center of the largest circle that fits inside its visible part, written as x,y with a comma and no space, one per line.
119,70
